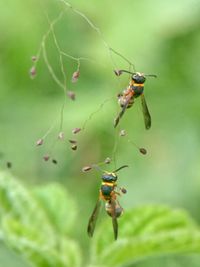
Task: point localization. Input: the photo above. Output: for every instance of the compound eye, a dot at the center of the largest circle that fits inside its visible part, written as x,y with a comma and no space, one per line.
114,177
134,77
142,79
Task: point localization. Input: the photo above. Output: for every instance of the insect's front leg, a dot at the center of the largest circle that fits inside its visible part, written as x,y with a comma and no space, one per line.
120,190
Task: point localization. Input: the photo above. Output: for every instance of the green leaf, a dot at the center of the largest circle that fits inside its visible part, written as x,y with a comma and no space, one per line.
145,231
58,205
26,228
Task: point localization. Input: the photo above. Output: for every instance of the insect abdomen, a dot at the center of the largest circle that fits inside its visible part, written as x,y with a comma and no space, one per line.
122,101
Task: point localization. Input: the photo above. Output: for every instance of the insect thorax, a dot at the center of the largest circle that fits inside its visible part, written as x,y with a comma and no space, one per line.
106,190
137,89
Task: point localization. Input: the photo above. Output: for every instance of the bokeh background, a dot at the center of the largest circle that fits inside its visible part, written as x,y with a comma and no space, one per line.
159,37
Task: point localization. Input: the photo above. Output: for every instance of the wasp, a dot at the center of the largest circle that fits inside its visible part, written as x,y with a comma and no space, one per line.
134,90
108,193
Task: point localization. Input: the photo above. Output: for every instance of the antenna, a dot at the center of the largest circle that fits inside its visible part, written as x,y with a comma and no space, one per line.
119,72
124,166
150,75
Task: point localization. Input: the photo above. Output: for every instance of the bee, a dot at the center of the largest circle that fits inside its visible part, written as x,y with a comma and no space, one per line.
108,193
134,90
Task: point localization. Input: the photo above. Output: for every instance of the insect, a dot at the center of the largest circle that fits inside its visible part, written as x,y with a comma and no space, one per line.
108,192
134,90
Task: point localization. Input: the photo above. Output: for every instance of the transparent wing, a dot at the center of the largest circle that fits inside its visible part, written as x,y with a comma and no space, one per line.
116,121
146,114
93,218
114,218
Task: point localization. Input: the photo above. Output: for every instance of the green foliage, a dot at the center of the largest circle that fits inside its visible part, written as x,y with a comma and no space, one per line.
60,208
37,225
26,225
146,231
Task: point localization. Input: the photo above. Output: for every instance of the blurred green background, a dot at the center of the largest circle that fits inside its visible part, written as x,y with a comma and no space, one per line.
159,37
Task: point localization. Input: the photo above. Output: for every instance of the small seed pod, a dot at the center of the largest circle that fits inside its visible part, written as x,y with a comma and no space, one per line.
9,164
39,142
107,160
75,76
61,136
86,168
32,72
74,147
123,190
54,161
76,130
33,58
71,95
143,151
72,141
46,157
122,133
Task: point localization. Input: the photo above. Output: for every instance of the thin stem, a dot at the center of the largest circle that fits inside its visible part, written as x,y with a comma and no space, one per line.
95,28
59,83
96,111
